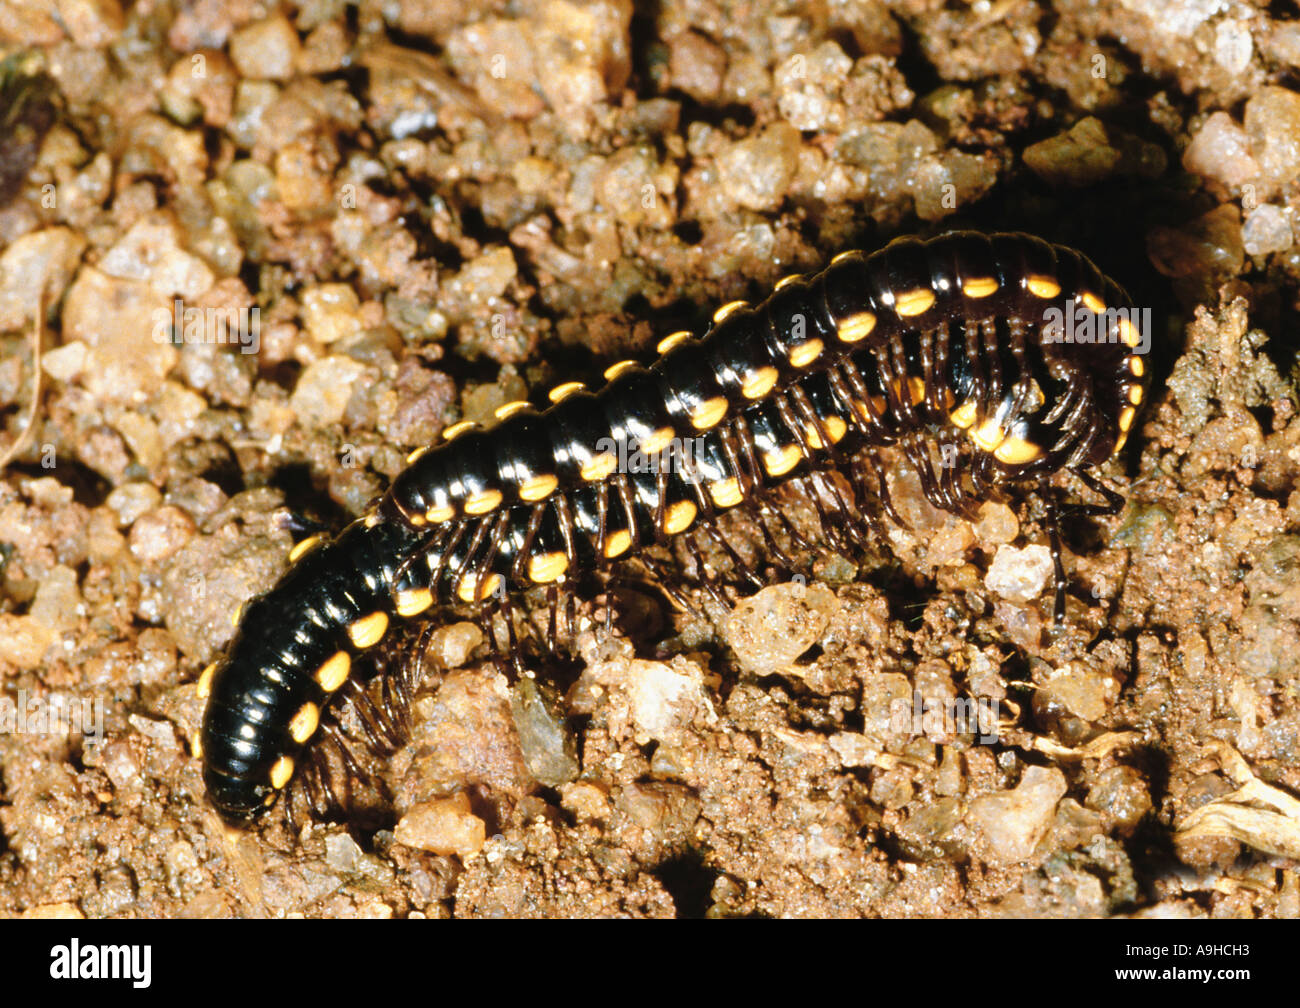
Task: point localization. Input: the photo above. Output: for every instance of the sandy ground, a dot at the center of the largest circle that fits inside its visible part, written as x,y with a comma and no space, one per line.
435,210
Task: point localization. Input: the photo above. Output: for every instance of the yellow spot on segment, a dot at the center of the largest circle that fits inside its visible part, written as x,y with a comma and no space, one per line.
844,255
1120,443
657,441
1094,303
415,519
1135,394
805,353
269,800
334,673
672,340
547,568
988,435
835,429
511,408
1042,286
281,771
417,454
538,488
371,520
368,630
1126,416
614,370
708,413
760,383
782,460
964,415
238,614
305,547
726,493
457,428
1136,366
618,543
440,513
856,327
413,601
679,517
914,302
1016,451
465,590
1128,332
483,502
787,280
730,308
302,725
915,387
205,681
561,392
979,287
598,467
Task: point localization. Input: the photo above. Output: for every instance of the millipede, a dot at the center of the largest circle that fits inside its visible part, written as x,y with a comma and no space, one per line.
985,359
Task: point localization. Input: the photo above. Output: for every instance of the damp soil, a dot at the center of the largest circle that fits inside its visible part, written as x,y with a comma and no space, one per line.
423,211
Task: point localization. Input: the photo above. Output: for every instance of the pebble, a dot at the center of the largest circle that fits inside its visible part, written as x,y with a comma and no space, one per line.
1272,122
1019,575
546,743
1013,822
1266,229
771,629
265,49
331,312
323,390
756,172
37,264
443,826
1220,150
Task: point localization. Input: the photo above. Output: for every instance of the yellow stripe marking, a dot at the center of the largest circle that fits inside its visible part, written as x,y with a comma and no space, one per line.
565,390
988,435
1042,286
465,590
805,353
728,309
368,630
1126,416
511,408
1135,395
538,488
618,543
856,327
1136,366
205,681
782,460
597,468
760,383
334,673
679,517
614,370
835,429
416,454
1128,332
305,547
238,614
915,386
979,287
657,441
964,415
787,280
1094,303
844,255
440,513
914,302
412,601
483,502
1120,443
457,429
708,413
1016,451
281,771
302,725
726,493
547,568
672,340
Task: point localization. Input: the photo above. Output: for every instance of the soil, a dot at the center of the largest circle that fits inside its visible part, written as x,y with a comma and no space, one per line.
430,210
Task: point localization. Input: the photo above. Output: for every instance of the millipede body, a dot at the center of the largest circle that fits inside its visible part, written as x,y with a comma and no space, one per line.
985,359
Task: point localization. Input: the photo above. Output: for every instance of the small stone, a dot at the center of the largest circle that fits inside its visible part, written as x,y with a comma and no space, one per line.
757,172
547,746
1273,124
1266,230
1014,821
331,312
1220,150
1232,46
265,49
443,826
697,66
23,640
1019,575
57,600
323,390
770,630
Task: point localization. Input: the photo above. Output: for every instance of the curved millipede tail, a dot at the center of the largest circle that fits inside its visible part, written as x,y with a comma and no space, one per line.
985,359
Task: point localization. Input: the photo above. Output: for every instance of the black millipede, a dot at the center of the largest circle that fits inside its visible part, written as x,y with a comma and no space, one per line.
985,359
